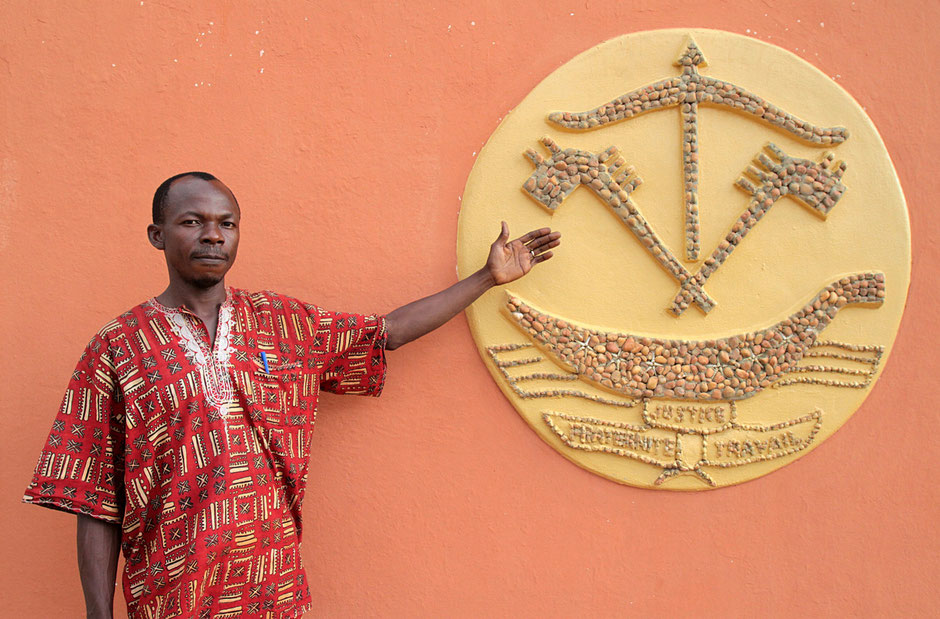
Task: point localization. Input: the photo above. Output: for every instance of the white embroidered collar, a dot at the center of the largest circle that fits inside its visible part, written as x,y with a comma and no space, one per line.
213,363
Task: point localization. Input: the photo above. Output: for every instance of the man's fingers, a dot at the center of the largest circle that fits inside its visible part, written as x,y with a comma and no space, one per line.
542,257
554,243
525,238
551,240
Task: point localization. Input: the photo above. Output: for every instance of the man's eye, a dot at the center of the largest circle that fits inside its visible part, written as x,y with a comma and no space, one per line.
189,222
228,224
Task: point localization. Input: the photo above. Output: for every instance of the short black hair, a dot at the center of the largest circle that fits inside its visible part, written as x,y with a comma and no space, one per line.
159,197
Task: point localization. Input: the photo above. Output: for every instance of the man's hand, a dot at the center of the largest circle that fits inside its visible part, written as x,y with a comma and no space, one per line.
510,260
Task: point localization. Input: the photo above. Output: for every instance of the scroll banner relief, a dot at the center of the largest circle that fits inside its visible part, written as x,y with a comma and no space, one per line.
737,334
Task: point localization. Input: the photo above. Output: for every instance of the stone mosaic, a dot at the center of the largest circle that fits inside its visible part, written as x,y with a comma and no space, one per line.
684,449
675,407
513,381
730,368
687,91
818,186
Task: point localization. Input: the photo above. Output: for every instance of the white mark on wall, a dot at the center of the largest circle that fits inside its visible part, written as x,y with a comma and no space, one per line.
261,53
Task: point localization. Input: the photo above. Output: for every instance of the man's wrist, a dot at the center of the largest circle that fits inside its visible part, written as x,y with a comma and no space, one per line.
483,280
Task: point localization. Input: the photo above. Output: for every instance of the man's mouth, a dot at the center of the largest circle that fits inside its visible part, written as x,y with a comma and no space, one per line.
211,257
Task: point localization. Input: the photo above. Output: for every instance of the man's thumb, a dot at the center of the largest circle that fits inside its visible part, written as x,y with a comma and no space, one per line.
504,234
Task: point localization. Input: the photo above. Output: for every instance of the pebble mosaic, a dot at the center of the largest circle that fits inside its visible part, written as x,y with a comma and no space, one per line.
726,369
816,185
687,92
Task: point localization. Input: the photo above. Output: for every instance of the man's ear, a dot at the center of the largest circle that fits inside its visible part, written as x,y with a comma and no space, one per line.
155,234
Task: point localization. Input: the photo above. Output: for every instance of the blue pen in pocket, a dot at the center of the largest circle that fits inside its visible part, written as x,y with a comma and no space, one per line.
264,360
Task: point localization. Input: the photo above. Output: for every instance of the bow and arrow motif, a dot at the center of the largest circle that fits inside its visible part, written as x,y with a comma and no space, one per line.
817,185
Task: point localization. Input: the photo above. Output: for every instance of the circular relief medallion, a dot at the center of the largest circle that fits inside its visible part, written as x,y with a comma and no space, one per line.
734,263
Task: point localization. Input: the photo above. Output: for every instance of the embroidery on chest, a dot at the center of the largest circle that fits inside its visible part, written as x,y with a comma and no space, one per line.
212,363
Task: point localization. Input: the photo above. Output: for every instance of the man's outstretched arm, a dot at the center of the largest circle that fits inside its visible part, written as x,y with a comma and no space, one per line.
507,261
98,546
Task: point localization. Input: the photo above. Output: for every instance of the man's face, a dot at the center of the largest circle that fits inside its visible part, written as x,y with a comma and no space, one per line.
199,233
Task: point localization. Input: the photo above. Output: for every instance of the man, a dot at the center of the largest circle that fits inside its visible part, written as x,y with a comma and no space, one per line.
187,420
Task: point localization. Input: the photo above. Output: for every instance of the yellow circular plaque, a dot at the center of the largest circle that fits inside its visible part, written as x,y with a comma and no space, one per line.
734,263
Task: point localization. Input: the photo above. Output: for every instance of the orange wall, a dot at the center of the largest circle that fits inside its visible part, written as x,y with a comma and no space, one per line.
348,154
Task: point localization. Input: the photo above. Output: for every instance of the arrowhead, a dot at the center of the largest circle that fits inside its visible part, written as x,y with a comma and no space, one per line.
691,56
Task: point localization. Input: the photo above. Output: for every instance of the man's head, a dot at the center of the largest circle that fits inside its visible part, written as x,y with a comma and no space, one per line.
195,224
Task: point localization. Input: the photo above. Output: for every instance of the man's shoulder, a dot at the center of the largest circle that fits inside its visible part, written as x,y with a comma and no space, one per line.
127,321
117,332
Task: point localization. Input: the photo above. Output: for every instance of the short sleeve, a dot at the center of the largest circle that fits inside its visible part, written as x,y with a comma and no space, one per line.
81,467
354,352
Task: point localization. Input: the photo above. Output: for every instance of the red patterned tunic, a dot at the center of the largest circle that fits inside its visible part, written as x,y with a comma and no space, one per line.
200,452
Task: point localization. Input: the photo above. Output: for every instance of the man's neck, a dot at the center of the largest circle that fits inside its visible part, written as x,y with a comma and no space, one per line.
204,302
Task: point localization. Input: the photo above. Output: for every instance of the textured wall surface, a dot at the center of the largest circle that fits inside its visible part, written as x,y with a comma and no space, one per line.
347,131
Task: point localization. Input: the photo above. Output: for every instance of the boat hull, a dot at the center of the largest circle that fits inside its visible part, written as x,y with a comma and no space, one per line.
727,369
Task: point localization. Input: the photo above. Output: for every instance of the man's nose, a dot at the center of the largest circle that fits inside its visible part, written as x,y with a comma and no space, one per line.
212,233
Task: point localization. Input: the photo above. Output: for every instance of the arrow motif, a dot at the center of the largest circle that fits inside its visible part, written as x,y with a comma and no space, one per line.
818,186
687,91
